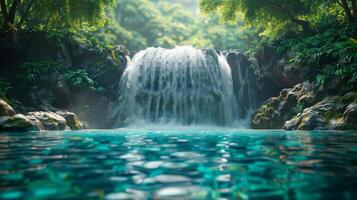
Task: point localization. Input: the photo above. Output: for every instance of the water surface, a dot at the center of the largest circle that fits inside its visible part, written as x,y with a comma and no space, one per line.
181,164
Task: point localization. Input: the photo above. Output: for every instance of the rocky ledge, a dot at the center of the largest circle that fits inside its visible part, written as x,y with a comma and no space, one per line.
307,107
36,121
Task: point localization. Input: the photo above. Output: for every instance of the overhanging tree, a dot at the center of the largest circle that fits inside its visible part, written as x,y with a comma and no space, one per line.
350,10
55,14
258,12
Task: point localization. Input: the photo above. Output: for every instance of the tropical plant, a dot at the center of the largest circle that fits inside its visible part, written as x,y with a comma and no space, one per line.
32,71
81,78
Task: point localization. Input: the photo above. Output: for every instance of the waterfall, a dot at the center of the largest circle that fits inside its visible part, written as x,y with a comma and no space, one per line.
184,85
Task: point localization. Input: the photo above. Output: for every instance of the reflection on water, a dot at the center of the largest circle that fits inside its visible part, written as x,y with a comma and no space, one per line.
178,165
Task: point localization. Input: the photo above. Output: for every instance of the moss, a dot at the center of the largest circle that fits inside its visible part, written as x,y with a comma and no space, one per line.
264,111
349,98
77,125
331,114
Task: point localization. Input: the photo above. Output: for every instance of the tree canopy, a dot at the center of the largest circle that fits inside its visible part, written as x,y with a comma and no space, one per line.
142,23
50,14
276,15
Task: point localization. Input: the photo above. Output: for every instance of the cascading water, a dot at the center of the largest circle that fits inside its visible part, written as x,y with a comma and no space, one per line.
184,86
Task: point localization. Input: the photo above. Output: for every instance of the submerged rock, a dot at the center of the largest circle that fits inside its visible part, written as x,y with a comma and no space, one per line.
19,122
6,109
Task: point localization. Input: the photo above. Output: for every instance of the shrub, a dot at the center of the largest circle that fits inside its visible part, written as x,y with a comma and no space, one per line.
80,78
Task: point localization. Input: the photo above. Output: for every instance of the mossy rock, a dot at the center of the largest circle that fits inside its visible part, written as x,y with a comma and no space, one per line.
19,123
6,109
71,119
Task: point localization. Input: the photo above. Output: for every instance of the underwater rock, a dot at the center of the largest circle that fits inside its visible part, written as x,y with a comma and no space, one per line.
19,122
6,109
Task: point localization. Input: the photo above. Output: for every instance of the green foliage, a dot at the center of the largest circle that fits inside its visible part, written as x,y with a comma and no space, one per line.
142,23
32,71
56,15
272,16
299,107
331,52
80,78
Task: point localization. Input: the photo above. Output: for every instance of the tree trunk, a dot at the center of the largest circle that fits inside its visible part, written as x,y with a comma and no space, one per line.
25,14
305,25
346,9
354,10
3,9
12,11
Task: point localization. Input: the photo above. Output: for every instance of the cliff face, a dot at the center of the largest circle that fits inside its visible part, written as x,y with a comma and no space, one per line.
46,72
245,86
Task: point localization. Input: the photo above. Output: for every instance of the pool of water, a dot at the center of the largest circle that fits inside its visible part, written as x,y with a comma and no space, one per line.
181,164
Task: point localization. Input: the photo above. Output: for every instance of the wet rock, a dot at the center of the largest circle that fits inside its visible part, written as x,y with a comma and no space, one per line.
49,120
6,109
277,110
19,122
332,113
275,72
350,116
71,120
244,81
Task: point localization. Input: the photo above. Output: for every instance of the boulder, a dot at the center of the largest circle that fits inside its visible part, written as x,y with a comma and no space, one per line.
19,122
50,120
277,110
71,119
332,113
6,109
350,116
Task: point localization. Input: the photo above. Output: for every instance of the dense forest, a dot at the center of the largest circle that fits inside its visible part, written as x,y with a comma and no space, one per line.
317,37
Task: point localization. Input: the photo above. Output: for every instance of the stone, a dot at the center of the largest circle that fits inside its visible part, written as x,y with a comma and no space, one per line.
50,120
19,122
332,113
71,119
350,116
6,109
287,109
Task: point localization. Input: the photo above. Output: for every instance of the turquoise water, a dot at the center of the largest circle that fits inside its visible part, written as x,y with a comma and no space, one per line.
183,164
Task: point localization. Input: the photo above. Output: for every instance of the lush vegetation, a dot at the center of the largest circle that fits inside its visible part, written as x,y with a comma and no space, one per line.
324,32
53,15
142,23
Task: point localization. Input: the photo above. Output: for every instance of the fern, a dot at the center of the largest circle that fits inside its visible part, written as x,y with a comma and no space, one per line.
80,78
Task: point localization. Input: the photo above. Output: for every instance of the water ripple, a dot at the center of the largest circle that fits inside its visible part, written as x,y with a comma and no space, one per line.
178,165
